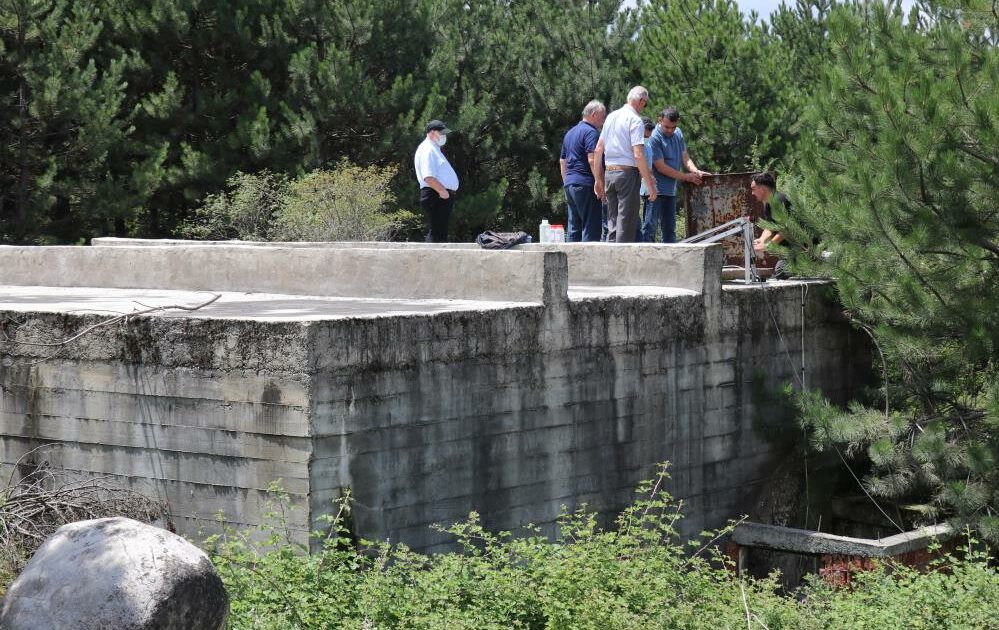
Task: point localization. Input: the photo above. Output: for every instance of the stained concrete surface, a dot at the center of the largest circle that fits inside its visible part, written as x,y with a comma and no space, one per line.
230,305
425,408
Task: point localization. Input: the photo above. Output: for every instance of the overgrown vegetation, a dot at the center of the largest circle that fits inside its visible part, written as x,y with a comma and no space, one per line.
350,203
898,180
637,575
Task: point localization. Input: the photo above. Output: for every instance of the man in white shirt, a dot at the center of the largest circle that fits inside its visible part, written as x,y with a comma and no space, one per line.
621,149
438,181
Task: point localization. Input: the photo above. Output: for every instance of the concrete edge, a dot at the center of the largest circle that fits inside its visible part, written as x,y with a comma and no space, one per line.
817,543
695,267
524,277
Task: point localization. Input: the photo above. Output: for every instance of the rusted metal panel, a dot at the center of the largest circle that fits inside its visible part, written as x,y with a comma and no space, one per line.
719,199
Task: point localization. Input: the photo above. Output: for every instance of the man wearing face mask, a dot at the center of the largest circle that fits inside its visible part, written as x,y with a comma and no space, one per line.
438,181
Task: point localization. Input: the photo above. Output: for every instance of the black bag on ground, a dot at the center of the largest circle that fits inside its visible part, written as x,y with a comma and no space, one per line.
500,240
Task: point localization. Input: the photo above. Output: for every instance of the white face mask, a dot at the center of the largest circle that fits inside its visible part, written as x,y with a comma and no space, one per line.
441,140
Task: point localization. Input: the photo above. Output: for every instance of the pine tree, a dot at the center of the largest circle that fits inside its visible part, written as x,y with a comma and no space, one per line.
727,73
512,77
204,80
62,116
900,183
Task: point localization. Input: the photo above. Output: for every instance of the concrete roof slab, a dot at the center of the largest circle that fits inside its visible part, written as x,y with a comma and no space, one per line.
231,305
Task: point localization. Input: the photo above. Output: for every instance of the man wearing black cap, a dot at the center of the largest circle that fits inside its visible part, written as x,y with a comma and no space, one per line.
438,181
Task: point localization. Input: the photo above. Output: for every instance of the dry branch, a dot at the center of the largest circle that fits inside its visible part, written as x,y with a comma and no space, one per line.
124,318
44,500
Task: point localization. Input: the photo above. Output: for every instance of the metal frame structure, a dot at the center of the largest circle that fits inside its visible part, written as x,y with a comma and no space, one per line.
731,228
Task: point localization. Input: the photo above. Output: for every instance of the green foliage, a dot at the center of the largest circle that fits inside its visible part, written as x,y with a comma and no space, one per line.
347,204
732,79
245,212
952,594
123,118
899,182
64,124
634,576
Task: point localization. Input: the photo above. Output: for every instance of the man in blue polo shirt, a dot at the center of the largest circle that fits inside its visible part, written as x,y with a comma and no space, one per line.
576,164
669,156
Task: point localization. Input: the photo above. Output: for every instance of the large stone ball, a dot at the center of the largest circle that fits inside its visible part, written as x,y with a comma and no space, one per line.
116,573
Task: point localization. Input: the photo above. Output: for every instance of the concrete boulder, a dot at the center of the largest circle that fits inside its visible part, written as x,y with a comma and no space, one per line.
116,573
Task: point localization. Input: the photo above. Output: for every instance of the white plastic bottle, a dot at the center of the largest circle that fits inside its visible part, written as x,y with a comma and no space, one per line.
544,232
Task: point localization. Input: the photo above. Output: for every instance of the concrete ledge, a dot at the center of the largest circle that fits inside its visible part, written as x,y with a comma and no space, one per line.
693,267
804,541
522,277
110,241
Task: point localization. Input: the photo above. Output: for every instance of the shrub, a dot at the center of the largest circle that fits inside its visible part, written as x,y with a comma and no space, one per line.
342,205
348,203
637,575
244,211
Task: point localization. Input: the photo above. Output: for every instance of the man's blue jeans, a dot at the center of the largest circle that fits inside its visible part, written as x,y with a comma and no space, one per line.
584,214
662,212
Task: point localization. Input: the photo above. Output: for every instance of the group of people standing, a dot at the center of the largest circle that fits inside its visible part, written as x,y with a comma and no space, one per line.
610,163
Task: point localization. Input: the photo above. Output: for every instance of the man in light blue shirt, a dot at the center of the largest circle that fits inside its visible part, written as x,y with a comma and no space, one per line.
438,181
649,128
669,156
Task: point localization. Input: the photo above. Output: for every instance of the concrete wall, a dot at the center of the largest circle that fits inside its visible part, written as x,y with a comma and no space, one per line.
371,273
513,412
519,415
590,264
205,414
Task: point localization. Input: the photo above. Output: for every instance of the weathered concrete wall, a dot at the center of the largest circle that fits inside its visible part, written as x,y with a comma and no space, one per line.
511,411
371,273
205,414
482,416
590,264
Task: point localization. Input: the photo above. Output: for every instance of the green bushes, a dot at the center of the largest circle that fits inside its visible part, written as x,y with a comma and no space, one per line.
637,575
345,204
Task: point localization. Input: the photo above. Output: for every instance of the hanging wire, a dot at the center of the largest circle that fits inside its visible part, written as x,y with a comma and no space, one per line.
801,383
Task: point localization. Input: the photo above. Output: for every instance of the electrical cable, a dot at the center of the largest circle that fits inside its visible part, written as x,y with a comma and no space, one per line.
804,294
876,504
801,383
780,335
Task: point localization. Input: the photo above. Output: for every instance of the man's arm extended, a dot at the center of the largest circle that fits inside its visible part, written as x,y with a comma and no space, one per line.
689,163
668,171
562,168
767,238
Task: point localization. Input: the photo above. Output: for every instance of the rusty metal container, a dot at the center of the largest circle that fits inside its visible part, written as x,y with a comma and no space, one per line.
719,199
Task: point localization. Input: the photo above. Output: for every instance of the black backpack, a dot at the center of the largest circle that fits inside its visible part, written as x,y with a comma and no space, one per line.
500,240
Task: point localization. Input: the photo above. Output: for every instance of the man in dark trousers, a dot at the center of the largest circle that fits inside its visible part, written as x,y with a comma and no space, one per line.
669,157
576,165
438,181
621,153
764,188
